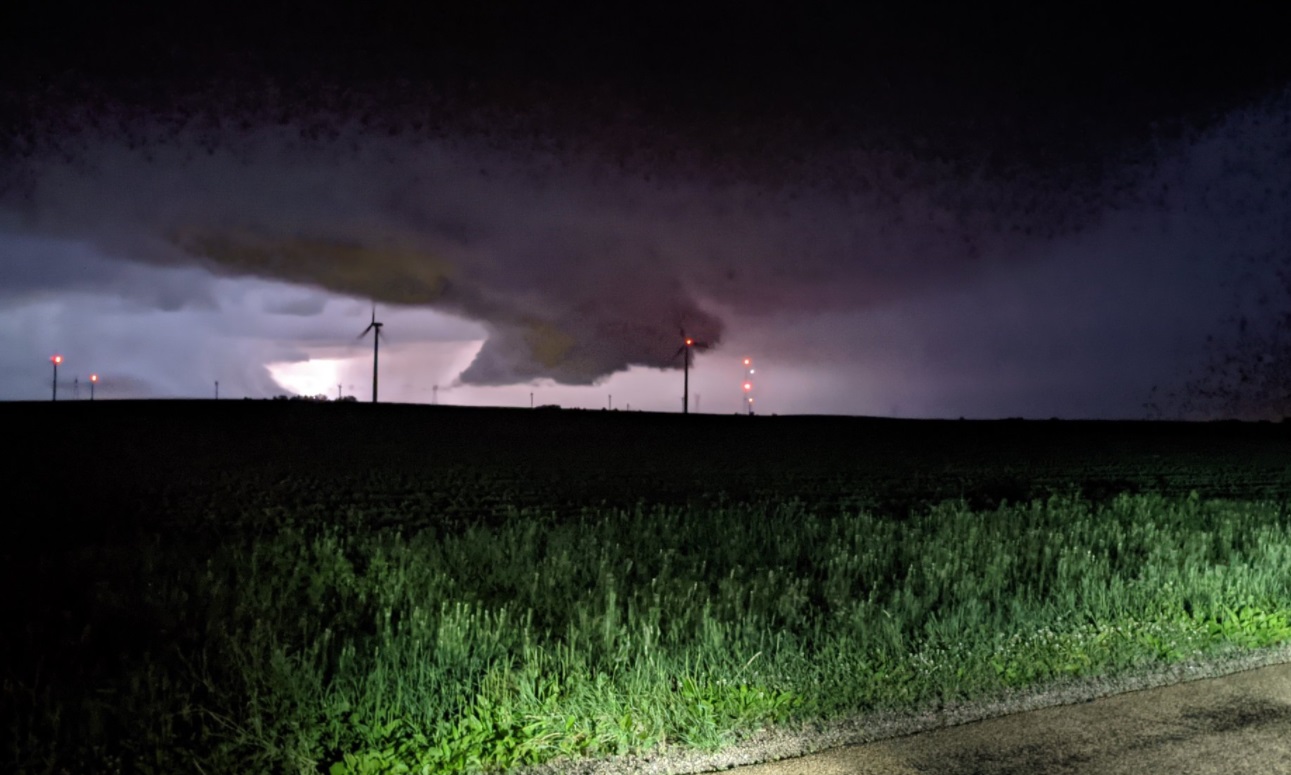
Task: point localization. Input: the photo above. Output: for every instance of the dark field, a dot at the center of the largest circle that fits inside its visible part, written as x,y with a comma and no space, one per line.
286,586
110,465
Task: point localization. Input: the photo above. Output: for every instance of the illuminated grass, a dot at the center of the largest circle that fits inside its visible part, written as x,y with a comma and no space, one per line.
345,650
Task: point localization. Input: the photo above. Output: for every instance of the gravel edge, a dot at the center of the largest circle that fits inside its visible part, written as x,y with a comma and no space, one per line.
775,744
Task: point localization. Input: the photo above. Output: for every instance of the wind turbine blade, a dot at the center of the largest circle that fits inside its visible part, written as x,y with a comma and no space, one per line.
680,350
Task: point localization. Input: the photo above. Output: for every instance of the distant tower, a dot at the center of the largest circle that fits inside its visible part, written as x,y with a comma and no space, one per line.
748,385
55,359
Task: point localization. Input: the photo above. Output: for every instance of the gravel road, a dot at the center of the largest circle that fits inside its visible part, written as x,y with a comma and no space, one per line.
1224,715
1240,723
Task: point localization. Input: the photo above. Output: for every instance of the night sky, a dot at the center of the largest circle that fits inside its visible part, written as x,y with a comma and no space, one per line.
941,211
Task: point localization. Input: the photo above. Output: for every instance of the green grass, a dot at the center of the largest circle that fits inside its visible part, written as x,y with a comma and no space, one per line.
259,587
537,634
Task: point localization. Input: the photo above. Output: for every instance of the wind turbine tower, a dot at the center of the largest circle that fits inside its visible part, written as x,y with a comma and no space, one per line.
375,328
684,350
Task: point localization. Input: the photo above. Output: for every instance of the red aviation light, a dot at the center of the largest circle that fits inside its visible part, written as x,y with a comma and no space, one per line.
747,361
94,378
748,385
690,342
57,359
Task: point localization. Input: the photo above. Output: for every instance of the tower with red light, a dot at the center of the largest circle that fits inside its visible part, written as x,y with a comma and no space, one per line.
684,351
748,385
55,359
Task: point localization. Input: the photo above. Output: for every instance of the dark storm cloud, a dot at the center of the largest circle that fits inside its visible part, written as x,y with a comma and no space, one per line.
138,352
1230,198
586,184
301,306
576,271
37,268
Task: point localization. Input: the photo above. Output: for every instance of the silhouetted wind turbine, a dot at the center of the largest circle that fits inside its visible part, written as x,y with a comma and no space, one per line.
375,327
687,343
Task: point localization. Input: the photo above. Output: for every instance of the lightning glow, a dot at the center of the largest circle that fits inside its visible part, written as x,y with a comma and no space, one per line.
311,377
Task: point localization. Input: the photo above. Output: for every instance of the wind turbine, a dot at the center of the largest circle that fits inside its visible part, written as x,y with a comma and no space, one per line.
374,327
684,350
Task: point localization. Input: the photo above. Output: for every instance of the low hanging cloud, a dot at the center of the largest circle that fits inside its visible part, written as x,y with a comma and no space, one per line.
575,271
578,268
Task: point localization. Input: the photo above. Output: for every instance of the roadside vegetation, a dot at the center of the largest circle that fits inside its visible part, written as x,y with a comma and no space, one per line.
375,629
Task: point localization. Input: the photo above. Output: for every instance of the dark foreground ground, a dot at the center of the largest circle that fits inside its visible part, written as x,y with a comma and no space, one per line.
96,484
89,470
